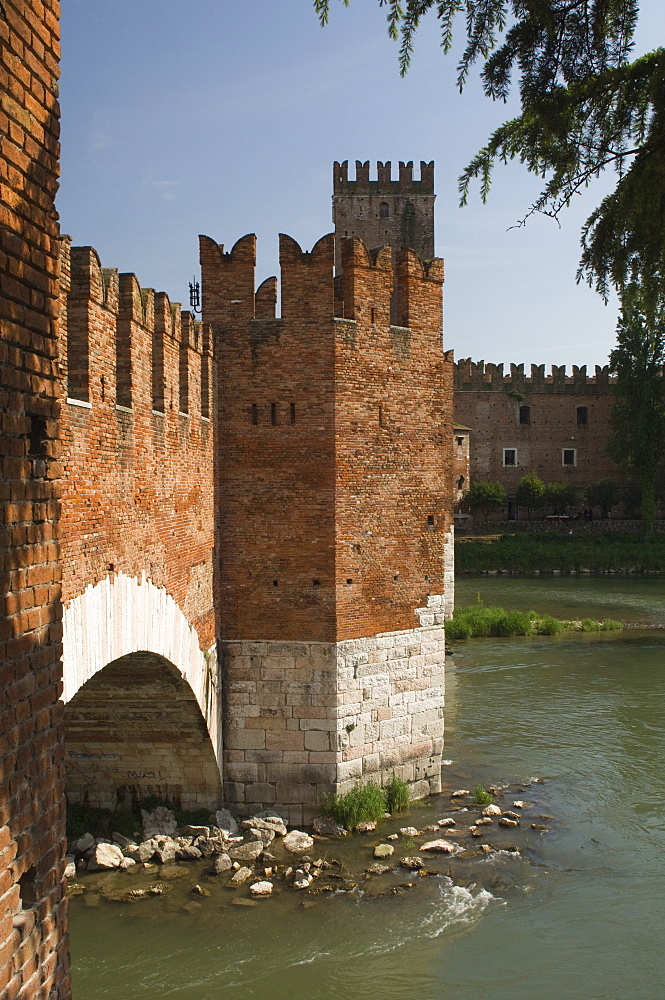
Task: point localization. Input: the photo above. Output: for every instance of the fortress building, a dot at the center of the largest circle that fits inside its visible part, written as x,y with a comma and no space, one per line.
334,519
555,425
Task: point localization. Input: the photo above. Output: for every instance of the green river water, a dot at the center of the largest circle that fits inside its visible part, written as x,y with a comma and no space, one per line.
577,914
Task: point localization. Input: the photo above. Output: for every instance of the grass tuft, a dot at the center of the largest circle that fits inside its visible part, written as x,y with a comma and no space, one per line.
361,804
482,796
397,794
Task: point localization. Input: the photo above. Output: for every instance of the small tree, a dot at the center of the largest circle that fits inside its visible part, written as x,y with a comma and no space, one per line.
559,496
638,415
530,492
605,494
486,497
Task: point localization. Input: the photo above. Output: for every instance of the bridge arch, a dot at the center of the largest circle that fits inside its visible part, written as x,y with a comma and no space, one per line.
142,700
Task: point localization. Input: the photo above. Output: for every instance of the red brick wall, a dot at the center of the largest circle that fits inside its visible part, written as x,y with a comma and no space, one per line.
393,451
335,488
276,497
483,402
138,475
33,923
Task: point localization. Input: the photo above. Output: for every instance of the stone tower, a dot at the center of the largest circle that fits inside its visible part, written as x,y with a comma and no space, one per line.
334,519
399,212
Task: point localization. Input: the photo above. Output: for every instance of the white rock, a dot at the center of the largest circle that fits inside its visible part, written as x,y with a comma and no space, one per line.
127,863
105,856
519,804
505,821
327,827
447,821
247,852
408,831
241,876
226,822
301,883
443,846
84,843
297,842
491,810
459,793
384,851
366,827
261,889
160,821
70,867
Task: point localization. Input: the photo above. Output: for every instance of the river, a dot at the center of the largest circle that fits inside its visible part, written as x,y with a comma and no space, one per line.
578,914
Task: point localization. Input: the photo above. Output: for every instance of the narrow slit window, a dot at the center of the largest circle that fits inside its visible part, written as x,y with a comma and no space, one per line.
293,413
430,520
255,414
316,583
273,413
582,416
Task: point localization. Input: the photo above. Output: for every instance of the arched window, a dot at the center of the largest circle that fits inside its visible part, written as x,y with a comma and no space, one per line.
525,414
460,483
582,416
384,210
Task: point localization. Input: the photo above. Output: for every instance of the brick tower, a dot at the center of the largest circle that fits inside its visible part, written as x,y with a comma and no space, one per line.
334,519
399,212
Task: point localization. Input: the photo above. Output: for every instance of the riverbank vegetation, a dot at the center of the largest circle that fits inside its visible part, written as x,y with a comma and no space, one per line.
479,621
547,552
368,802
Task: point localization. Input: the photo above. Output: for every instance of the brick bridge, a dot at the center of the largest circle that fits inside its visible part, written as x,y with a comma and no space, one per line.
142,712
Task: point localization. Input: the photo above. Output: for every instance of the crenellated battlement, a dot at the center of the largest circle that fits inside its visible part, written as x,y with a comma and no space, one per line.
481,376
127,344
383,182
380,286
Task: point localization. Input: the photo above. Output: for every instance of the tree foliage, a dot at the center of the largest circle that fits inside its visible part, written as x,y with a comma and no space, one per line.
560,496
585,107
486,496
530,492
638,414
604,493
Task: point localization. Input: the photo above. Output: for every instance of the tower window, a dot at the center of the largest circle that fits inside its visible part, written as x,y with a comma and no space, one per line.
430,520
293,413
582,416
509,456
525,414
569,456
255,413
384,210
273,413
460,483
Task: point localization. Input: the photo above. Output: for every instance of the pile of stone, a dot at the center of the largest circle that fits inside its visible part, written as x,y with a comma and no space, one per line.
227,845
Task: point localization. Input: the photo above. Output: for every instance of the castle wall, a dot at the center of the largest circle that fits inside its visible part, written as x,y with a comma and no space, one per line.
33,921
565,412
335,520
137,495
397,212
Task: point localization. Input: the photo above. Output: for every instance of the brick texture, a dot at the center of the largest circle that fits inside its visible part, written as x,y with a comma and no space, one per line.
33,922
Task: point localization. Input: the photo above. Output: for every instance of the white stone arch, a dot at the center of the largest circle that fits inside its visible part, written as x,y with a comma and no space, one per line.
121,615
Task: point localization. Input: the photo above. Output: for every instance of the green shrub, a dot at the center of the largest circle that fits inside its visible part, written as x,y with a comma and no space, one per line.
361,804
482,796
590,625
397,794
611,625
548,625
513,623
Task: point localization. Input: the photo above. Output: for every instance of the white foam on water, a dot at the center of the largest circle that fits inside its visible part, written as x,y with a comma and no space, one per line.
459,908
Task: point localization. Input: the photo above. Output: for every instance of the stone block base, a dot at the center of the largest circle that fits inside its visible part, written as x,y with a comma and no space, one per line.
306,719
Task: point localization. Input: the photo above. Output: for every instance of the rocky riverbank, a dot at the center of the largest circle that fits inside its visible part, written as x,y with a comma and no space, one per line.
260,857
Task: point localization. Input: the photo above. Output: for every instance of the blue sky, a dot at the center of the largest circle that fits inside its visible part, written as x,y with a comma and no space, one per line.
223,117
